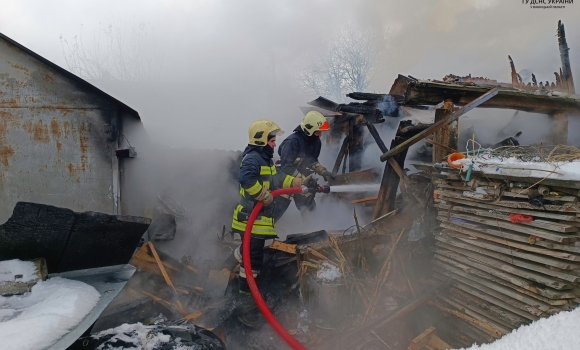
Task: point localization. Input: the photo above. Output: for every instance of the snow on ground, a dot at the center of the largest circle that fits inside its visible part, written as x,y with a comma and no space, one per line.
136,334
558,332
10,268
38,319
328,272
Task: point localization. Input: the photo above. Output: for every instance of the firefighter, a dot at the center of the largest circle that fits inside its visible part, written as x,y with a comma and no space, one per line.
258,175
299,157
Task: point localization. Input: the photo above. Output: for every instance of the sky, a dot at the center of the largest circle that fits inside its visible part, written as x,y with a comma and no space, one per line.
227,63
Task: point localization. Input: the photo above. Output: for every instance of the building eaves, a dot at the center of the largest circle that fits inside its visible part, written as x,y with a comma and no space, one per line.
71,75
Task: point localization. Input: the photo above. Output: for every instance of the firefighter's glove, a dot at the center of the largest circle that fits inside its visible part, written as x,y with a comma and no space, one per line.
265,196
322,171
299,181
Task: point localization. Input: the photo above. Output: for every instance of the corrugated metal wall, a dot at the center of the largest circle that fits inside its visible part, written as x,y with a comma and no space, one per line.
53,145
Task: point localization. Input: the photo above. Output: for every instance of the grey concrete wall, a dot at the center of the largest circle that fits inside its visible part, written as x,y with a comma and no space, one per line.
53,145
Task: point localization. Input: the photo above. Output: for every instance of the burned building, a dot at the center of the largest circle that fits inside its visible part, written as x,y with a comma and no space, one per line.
58,136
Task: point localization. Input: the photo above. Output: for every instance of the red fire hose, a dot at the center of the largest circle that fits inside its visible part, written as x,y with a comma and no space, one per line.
264,309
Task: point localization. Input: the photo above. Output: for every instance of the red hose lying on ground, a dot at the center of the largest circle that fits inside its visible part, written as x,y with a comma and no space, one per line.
264,309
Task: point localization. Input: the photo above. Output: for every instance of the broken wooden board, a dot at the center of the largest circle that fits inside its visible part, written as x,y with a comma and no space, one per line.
498,288
285,247
507,267
548,198
565,208
479,321
541,224
547,295
514,245
516,236
535,212
482,291
428,340
565,276
491,245
477,313
493,311
552,236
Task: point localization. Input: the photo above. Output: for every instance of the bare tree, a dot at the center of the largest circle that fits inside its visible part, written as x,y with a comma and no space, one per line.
119,51
347,64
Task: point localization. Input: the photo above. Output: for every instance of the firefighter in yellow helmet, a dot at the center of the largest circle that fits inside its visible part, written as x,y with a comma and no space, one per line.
299,156
258,175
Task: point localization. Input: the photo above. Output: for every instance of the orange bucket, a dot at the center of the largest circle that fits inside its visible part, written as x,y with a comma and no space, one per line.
453,157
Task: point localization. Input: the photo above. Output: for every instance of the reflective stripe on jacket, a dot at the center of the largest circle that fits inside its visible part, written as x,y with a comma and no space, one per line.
257,170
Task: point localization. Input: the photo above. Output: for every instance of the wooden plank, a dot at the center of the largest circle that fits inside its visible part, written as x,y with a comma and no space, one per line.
465,235
474,321
285,247
477,312
435,143
489,320
531,304
559,275
543,224
341,155
165,275
516,236
428,338
443,136
509,268
568,207
161,267
507,317
522,285
538,213
488,294
549,198
363,200
556,237
526,299
511,284
438,125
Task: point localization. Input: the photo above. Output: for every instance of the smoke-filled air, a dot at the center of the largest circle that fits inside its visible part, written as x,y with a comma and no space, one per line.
385,235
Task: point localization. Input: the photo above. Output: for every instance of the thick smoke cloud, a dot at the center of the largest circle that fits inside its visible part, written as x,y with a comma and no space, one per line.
228,63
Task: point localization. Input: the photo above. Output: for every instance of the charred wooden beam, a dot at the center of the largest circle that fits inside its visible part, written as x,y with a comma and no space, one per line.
565,57
440,124
447,135
423,92
355,147
559,128
514,74
341,155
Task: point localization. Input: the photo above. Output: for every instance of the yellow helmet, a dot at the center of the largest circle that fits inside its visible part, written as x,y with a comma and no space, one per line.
314,121
259,131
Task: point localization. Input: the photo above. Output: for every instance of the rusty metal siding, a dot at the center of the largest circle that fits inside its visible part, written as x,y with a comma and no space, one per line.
53,145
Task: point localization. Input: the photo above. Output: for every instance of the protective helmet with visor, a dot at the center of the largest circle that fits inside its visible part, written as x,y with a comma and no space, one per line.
261,131
314,121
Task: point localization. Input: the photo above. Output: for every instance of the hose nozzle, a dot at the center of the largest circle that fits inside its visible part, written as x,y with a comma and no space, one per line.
323,189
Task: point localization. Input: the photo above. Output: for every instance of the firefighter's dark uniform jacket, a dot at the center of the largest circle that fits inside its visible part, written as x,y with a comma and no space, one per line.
257,170
299,145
